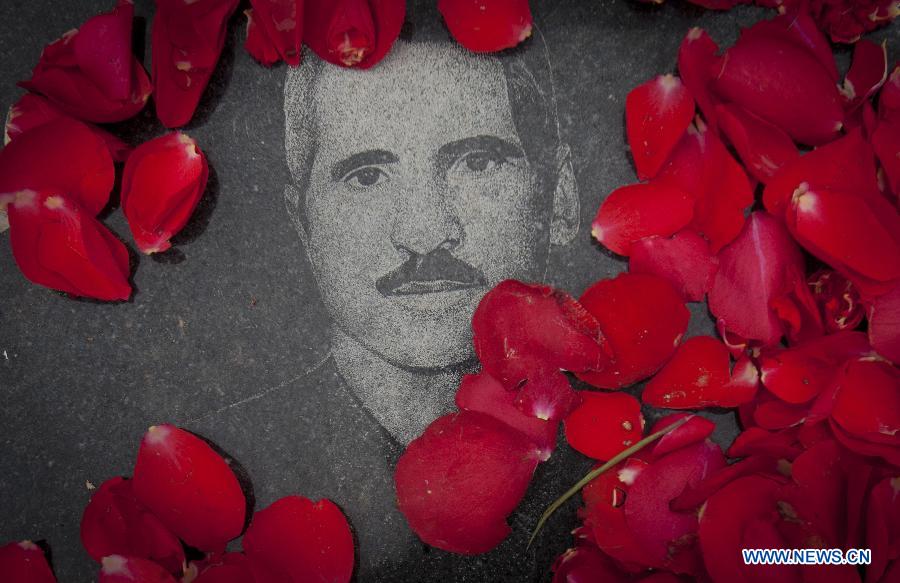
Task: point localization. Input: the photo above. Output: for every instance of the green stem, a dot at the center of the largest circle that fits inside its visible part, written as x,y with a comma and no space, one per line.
623,455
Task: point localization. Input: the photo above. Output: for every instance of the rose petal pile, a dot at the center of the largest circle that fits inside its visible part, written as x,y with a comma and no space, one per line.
805,292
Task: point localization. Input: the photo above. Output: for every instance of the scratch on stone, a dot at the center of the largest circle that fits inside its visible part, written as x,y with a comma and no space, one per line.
260,394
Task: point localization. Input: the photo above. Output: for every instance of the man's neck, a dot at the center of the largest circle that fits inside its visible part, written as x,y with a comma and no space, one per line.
403,401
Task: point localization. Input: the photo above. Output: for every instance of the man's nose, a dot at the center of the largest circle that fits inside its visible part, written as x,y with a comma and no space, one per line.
424,222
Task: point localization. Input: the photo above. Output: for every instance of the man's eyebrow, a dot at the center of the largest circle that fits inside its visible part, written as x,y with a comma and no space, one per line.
360,159
453,150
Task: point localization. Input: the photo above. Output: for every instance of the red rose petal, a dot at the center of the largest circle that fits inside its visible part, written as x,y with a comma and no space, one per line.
685,259
696,58
695,430
303,540
694,496
161,186
798,28
187,39
868,72
697,376
889,450
115,523
521,330
886,143
763,147
701,166
658,530
585,564
24,562
485,27
783,84
763,258
353,33
484,394
234,568
723,523
604,513
633,212
59,78
547,396
755,441
838,300
882,535
280,26
795,376
604,424
62,155
844,165
58,245
185,483
884,324
258,43
844,231
643,318
774,414
869,398
657,113
119,569
889,98
459,480
32,111
102,50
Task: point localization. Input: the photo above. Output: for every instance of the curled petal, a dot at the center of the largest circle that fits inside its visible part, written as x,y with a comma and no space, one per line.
838,300
458,481
257,41
684,259
115,523
765,259
484,394
280,26
486,26
657,113
888,450
302,540
867,73
633,212
63,155
604,424
695,430
763,147
187,39
58,245
33,111
353,33
102,50
161,186
783,84
884,324
846,232
521,330
189,487
119,569
643,318
24,562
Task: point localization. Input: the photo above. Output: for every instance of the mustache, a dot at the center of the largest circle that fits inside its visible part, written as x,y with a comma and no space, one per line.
436,271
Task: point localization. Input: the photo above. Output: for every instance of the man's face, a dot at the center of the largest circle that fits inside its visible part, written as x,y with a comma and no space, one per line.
420,199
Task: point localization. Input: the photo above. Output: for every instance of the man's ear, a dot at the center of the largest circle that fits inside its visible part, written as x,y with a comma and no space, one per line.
566,205
293,205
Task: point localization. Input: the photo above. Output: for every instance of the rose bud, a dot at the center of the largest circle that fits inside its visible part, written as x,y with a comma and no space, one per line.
59,245
187,40
62,155
119,569
24,562
353,33
189,487
657,113
301,540
161,186
90,73
115,523
486,26
458,481
32,111
277,27
258,43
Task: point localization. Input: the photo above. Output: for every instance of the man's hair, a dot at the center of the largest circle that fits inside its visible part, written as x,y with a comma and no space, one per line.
529,85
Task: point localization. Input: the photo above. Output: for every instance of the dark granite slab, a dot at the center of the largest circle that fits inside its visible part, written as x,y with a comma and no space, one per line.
227,335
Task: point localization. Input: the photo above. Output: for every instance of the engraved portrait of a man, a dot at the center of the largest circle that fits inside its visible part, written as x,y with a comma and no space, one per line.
416,188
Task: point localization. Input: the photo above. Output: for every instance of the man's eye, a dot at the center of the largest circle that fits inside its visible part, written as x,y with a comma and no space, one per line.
366,177
479,161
